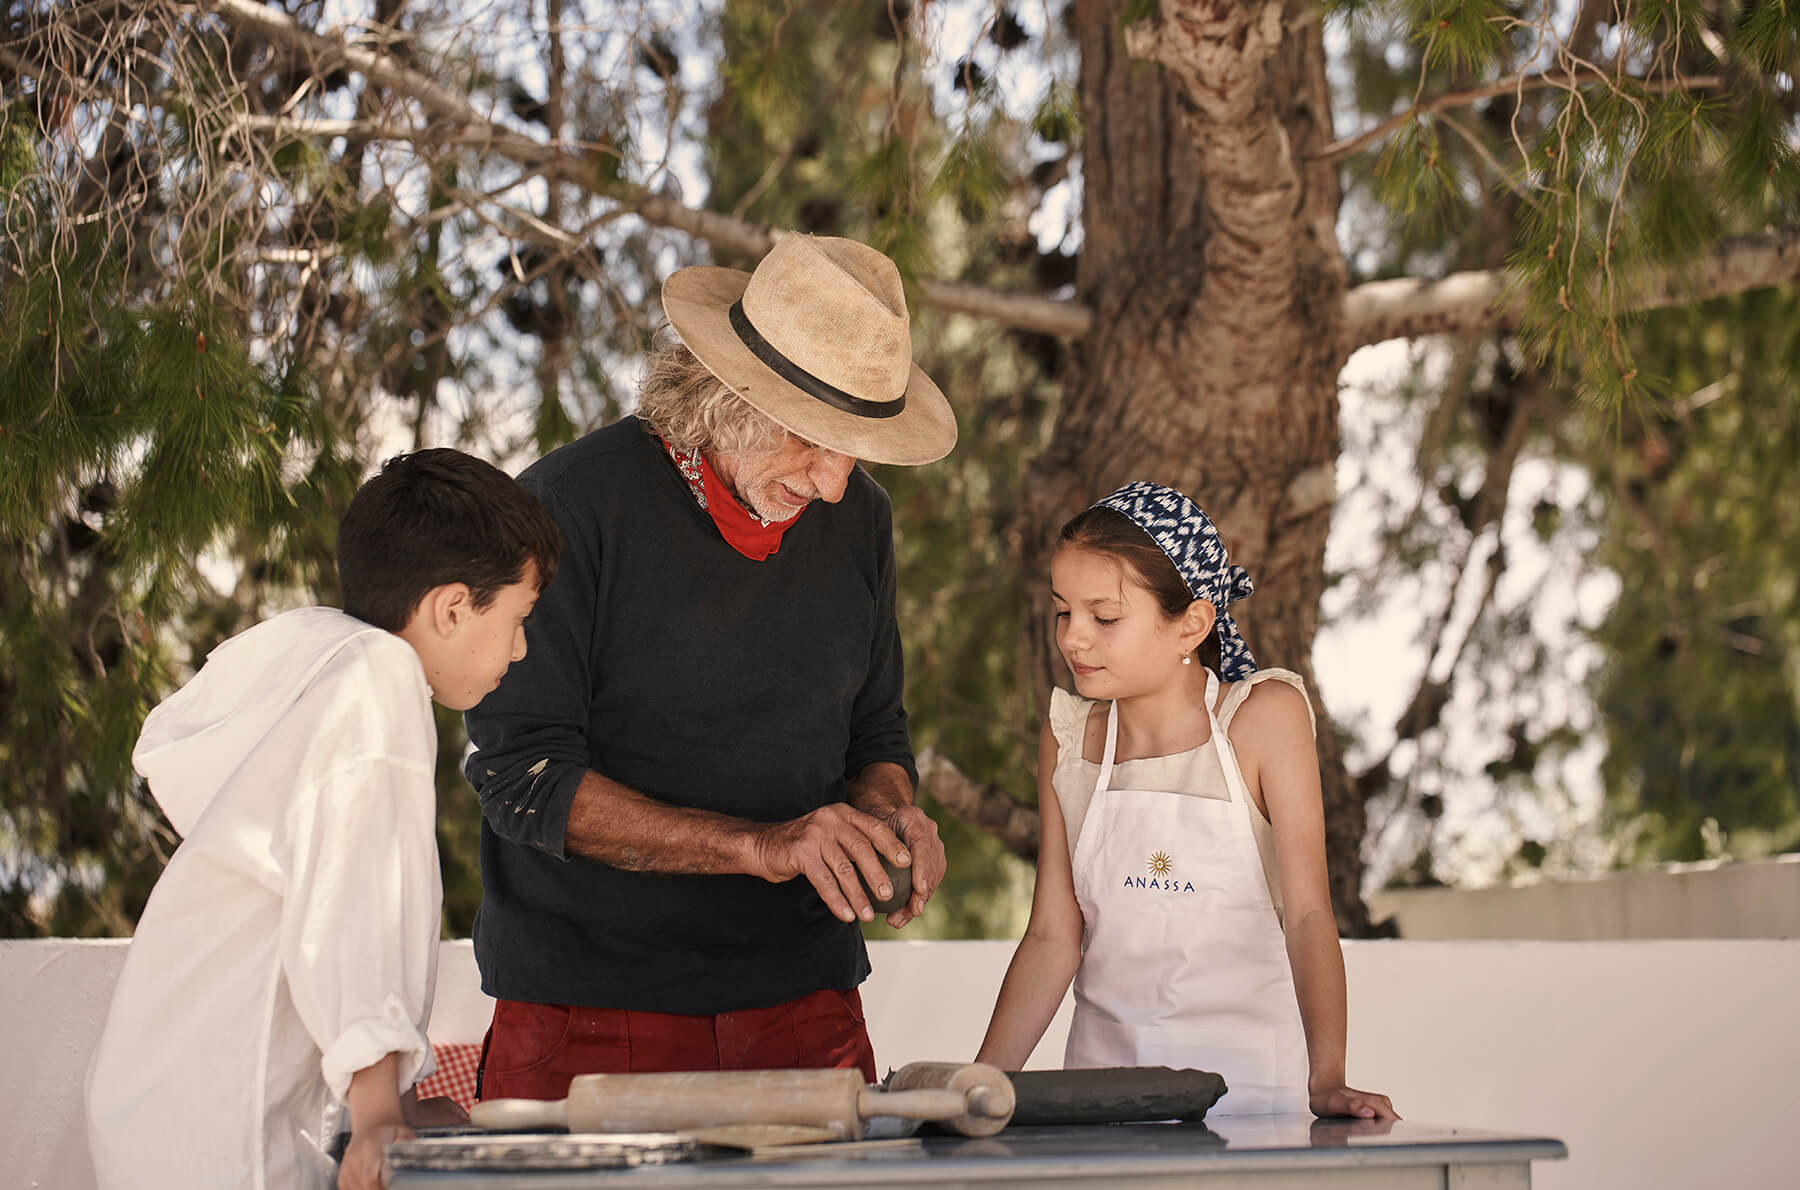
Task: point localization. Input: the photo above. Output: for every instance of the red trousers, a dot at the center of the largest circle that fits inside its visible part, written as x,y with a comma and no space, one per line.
533,1051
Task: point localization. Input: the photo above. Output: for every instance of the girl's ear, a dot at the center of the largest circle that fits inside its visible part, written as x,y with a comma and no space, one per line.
1197,622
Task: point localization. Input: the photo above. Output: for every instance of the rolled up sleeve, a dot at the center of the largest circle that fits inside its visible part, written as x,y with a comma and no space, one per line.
360,917
530,736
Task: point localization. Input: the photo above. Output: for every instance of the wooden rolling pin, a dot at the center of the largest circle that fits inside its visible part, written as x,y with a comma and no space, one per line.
973,1099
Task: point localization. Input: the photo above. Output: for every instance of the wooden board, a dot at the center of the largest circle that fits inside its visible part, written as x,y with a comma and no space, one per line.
549,1151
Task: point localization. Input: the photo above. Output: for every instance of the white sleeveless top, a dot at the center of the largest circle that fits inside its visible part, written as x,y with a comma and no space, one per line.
1195,772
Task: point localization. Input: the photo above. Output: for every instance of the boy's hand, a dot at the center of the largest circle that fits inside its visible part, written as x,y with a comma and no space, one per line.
440,1111
363,1167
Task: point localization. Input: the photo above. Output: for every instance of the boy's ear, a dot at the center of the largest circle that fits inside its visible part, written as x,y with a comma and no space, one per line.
446,608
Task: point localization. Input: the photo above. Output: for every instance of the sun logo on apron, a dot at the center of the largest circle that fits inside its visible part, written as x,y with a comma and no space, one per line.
1159,864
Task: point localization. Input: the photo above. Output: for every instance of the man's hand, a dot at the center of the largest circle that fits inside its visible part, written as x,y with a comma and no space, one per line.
828,847
363,1167
926,851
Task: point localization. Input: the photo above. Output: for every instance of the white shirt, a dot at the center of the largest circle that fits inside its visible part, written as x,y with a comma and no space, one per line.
292,939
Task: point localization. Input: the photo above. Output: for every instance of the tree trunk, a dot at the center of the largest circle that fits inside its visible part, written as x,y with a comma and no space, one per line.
1211,265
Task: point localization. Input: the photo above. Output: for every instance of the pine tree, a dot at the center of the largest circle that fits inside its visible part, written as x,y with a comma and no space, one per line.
1138,237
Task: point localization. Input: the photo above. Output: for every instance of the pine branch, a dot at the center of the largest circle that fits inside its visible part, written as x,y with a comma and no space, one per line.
1373,312
987,807
382,70
1026,311
1463,303
1512,84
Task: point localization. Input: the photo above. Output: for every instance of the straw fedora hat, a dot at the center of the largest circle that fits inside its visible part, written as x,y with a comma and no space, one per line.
817,339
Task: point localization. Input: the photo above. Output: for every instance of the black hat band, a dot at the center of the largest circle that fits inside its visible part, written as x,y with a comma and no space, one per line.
803,380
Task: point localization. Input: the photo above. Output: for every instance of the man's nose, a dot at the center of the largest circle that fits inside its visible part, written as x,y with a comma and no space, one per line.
830,474
519,645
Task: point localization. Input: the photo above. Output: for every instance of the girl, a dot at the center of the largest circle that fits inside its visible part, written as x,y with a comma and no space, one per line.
1181,874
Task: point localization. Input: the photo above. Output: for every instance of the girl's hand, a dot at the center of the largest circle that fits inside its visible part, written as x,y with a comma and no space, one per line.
1340,1100
363,1167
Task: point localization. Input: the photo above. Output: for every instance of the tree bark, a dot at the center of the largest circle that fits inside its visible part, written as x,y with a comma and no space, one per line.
1210,263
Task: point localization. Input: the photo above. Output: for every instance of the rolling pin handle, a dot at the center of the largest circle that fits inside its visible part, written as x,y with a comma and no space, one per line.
983,1095
520,1115
986,1101
924,1104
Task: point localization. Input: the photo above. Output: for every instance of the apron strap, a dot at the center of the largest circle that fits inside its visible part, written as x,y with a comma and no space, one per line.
1112,746
1227,759
1234,776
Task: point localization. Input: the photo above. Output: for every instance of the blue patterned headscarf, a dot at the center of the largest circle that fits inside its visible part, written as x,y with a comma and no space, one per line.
1185,534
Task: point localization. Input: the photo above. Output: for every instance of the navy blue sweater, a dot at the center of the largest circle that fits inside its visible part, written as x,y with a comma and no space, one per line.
663,659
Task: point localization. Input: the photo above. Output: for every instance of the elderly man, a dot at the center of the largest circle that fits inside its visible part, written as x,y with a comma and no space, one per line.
706,743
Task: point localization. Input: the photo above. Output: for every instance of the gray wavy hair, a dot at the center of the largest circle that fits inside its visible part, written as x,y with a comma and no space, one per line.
693,409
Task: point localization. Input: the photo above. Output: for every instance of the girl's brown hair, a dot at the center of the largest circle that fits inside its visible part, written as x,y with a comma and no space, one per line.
1111,533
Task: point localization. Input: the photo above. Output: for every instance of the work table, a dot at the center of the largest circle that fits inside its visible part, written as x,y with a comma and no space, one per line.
1265,1152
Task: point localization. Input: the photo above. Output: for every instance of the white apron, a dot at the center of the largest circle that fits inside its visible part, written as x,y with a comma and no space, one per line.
1183,961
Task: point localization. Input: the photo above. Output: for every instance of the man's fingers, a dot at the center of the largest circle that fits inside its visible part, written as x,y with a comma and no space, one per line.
864,858
928,860
882,836
845,841
838,848
844,869
826,884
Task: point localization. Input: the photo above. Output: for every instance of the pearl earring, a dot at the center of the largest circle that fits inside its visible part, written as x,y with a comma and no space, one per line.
1187,658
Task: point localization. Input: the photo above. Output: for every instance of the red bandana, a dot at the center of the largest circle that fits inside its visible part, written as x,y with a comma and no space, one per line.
742,529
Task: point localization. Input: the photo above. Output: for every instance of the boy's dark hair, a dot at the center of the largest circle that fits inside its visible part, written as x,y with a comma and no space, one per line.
436,517
1110,532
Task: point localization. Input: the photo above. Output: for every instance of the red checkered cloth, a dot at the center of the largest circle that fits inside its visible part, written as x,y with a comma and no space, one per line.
455,1074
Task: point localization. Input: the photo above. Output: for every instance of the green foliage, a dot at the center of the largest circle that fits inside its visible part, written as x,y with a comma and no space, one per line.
356,296
131,437
1680,22
1134,11
1417,178
18,147
1760,171
769,87
1057,119
971,175
1765,34
1701,696
886,173
1460,35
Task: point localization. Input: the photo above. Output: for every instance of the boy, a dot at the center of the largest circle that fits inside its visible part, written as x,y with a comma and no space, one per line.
283,969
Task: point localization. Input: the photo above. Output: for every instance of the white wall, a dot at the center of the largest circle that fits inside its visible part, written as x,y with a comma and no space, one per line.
1661,1064
1742,899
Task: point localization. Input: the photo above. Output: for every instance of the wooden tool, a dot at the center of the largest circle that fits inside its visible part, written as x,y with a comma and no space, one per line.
975,1100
